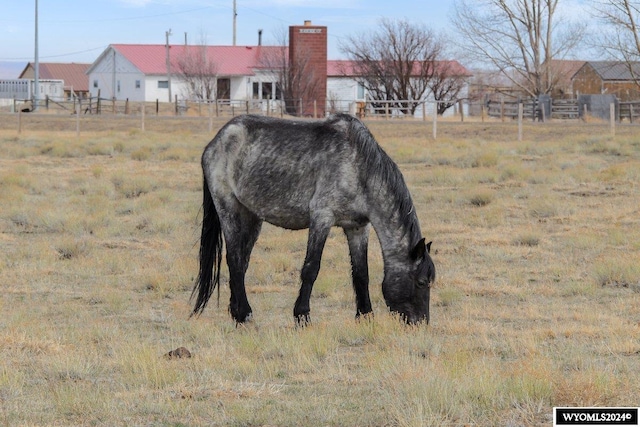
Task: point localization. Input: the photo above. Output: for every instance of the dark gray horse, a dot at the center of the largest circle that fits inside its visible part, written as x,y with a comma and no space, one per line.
315,175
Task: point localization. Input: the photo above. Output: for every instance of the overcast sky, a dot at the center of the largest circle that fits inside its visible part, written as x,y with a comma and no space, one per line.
78,31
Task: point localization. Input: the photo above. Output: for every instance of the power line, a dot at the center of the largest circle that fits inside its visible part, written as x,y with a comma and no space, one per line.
54,56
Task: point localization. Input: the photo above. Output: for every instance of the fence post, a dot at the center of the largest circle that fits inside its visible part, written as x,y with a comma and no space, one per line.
461,106
631,113
78,120
217,108
435,119
210,117
612,117
502,109
247,105
126,107
520,114
142,114
315,109
19,121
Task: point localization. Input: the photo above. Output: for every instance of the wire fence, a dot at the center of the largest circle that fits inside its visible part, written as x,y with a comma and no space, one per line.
95,114
203,119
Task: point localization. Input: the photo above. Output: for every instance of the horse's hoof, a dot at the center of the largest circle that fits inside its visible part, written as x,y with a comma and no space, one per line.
302,320
243,320
368,316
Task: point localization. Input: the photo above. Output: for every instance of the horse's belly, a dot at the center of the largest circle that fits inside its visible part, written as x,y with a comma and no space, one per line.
282,214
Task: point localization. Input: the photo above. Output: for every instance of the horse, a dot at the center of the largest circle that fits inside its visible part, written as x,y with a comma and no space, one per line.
310,174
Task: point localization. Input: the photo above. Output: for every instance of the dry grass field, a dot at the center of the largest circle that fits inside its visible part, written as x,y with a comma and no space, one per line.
537,301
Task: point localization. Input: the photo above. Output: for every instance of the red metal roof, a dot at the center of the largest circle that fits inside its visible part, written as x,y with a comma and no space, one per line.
229,60
347,68
74,75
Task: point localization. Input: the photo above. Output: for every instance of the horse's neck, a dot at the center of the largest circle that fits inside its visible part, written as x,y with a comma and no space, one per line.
396,235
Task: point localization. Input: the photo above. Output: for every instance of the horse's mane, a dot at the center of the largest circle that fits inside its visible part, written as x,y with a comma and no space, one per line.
380,171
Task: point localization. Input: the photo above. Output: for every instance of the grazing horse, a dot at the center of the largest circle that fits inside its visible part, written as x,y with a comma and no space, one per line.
315,175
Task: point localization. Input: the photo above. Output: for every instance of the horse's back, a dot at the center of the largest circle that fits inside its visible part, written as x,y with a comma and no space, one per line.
283,169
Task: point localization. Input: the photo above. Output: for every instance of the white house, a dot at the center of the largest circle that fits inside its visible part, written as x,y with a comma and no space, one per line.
140,73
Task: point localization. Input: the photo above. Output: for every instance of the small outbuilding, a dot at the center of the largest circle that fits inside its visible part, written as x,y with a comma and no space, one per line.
616,78
73,76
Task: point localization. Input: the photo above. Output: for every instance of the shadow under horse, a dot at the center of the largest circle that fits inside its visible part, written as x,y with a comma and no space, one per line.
301,174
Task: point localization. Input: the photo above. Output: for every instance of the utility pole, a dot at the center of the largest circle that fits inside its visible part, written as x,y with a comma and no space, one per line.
235,18
167,34
36,68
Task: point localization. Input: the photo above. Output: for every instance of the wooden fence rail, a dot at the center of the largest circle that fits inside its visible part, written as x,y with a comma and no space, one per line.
630,110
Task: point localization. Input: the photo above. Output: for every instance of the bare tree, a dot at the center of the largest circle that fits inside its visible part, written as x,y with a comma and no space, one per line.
395,62
447,82
520,38
198,71
295,80
621,40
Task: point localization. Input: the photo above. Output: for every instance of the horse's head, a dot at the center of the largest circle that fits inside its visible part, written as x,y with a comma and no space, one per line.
407,291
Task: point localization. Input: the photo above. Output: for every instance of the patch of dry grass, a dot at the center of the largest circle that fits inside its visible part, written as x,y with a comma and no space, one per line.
536,245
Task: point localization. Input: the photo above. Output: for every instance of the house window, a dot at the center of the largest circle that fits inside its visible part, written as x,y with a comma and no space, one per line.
163,84
267,90
263,90
223,89
137,84
360,91
95,83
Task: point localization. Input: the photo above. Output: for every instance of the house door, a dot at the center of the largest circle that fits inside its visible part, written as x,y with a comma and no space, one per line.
223,89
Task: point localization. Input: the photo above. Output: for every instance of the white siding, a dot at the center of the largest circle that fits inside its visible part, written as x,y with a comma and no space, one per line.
342,88
343,92
240,88
116,77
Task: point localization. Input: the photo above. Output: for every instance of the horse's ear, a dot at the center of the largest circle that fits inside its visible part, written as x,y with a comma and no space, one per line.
419,250
429,247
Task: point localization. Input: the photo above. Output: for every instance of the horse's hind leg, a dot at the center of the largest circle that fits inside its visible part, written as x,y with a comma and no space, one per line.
241,229
358,239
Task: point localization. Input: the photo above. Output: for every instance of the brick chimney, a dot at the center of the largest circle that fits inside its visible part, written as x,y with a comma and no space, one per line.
308,45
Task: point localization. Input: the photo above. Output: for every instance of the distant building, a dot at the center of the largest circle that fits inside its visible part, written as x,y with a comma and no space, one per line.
139,72
21,90
72,75
608,78
562,72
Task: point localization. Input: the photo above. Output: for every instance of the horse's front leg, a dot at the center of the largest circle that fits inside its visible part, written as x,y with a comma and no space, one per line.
318,233
358,239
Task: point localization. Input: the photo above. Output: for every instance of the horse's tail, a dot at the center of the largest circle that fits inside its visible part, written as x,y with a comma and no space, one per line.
210,252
